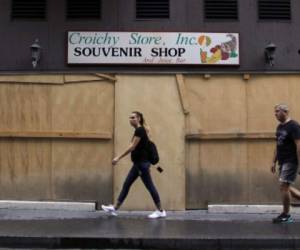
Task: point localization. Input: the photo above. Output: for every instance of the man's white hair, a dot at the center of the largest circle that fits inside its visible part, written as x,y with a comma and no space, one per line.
282,106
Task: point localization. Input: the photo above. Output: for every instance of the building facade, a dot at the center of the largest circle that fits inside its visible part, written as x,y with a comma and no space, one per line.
213,122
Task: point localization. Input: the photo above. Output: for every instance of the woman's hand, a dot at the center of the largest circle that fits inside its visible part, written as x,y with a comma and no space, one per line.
115,160
131,147
273,168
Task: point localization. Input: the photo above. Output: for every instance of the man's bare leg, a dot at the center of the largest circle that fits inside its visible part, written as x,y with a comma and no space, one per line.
286,197
295,192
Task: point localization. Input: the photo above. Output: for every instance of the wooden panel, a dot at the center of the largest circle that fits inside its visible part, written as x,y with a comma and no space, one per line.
106,77
220,175
25,169
230,149
230,136
263,185
195,197
83,107
163,112
63,160
294,96
217,169
182,93
82,170
263,92
216,104
25,107
55,134
82,78
33,79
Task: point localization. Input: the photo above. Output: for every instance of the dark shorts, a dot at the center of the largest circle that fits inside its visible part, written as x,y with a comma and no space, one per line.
288,172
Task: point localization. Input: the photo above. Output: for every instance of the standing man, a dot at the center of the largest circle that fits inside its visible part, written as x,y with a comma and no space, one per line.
287,154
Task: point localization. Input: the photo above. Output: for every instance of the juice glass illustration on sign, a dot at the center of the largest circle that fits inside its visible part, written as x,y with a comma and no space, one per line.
220,52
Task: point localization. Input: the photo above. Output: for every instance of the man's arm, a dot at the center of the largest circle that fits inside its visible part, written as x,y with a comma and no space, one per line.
298,149
273,166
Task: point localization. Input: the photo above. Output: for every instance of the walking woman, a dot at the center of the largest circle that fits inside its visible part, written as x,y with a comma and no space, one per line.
141,166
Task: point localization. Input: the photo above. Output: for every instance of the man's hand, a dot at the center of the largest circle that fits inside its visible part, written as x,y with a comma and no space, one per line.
273,168
115,161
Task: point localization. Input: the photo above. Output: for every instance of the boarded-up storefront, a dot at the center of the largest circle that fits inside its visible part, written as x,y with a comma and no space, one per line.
56,137
215,135
230,137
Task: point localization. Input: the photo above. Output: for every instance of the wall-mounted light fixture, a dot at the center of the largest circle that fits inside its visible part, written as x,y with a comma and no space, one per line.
270,53
35,49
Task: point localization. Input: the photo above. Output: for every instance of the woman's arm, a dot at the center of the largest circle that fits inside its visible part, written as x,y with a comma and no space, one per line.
132,146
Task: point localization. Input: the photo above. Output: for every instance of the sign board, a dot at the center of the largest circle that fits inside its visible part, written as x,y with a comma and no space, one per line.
176,48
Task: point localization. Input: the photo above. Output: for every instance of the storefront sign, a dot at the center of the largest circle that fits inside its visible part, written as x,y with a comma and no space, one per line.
153,48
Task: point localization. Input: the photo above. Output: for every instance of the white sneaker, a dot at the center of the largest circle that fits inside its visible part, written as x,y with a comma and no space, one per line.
109,209
157,214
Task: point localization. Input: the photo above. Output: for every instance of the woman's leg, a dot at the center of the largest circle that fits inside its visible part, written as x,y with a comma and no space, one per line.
131,177
147,180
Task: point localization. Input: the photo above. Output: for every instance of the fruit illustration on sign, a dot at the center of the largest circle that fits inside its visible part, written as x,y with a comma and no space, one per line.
216,55
204,40
229,47
225,55
203,56
222,51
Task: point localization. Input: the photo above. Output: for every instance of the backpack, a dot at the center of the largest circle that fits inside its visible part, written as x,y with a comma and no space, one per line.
153,153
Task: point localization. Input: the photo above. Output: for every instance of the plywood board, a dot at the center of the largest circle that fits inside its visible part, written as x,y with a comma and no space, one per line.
83,107
216,104
157,97
82,171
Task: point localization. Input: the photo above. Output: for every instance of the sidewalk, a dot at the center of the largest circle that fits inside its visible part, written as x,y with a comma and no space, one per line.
196,229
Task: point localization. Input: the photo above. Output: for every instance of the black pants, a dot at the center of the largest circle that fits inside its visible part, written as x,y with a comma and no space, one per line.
140,169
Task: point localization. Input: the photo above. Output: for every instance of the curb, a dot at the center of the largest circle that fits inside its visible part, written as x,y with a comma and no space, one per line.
48,205
174,244
254,209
